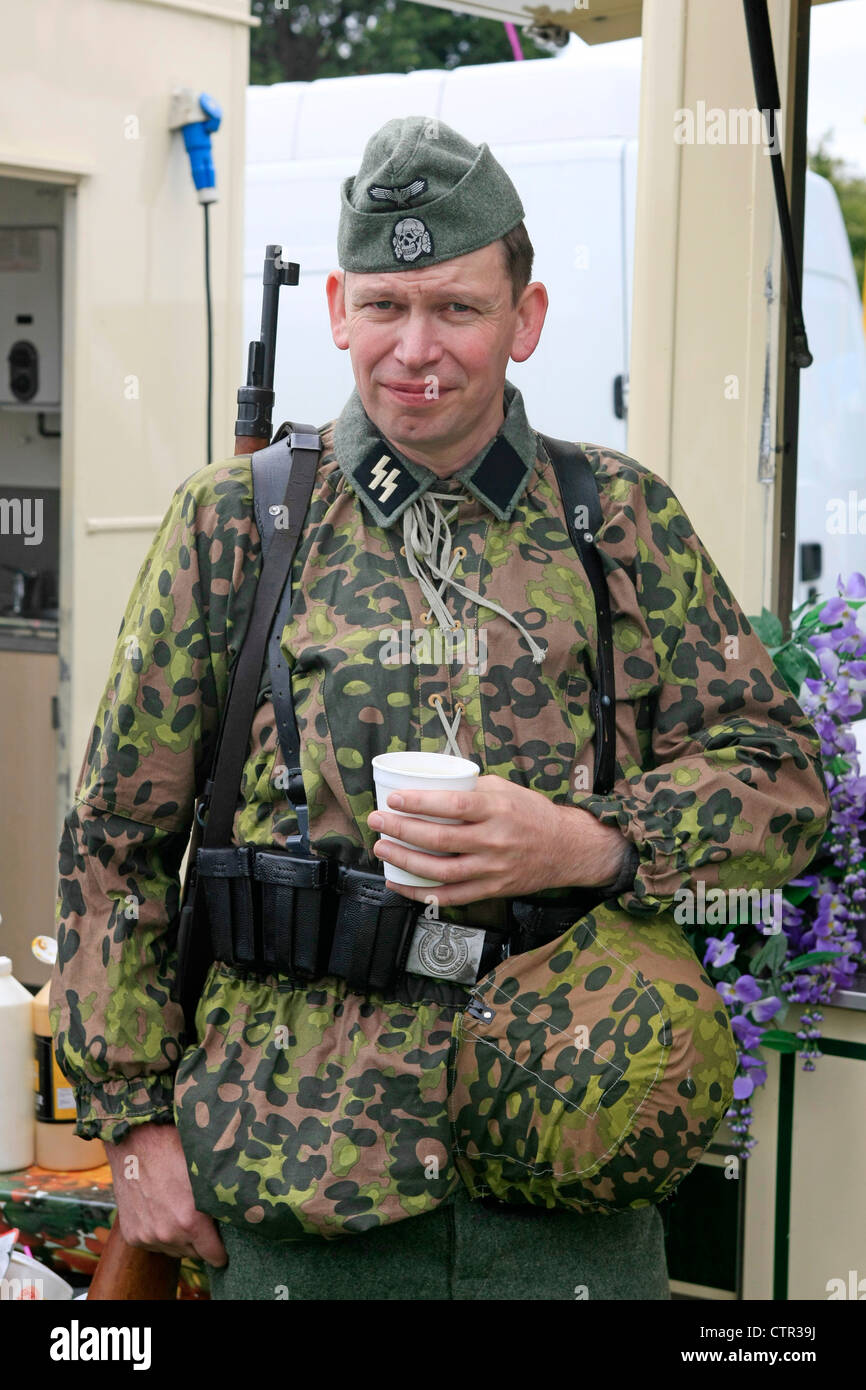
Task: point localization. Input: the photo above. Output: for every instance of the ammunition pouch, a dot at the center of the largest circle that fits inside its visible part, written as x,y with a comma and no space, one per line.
267,907
372,930
305,916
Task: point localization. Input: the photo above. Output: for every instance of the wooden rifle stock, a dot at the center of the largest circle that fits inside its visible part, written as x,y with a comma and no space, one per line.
127,1273
248,444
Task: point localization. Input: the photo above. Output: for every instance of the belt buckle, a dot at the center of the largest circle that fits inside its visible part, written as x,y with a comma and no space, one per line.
445,951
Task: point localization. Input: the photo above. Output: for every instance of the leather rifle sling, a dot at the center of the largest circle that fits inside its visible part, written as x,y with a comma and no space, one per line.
269,467
304,445
301,452
578,487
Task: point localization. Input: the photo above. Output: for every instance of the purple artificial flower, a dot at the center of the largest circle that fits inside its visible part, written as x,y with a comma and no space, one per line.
842,703
828,660
720,952
746,1032
747,989
757,1072
765,1009
823,922
832,914
856,586
834,610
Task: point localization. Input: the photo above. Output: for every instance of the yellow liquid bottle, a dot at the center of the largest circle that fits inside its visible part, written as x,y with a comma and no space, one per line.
58,1147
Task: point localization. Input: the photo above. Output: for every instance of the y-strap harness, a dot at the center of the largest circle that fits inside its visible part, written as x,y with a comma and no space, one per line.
300,914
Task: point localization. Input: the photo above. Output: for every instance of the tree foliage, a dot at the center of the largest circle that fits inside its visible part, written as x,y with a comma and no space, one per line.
336,38
851,192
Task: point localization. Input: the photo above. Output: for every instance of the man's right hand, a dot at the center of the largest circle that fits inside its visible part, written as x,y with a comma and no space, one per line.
155,1205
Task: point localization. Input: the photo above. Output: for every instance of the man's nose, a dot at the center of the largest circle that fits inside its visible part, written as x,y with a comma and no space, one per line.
417,342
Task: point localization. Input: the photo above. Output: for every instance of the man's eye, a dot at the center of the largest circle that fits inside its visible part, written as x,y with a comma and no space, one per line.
383,304
460,307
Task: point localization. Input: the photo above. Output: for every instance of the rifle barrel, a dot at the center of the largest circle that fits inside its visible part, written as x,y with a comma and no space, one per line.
254,423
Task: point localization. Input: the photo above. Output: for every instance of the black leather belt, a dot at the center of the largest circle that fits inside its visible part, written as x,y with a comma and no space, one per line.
307,916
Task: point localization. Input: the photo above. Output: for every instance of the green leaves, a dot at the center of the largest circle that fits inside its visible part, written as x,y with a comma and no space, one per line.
780,1040
794,665
771,955
794,660
838,766
797,895
769,628
813,958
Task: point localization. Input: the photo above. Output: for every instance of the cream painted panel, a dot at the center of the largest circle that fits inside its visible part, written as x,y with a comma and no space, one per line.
828,1229
28,849
76,82
706,231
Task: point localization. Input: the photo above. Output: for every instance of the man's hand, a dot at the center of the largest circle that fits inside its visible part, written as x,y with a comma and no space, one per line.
154,1197
511,842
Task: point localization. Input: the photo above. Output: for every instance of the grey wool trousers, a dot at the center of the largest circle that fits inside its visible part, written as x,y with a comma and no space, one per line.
462,1250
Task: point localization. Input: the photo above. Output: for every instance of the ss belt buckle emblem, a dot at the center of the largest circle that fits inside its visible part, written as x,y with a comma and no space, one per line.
446,951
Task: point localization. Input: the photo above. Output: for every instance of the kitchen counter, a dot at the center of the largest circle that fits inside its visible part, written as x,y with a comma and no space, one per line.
28,634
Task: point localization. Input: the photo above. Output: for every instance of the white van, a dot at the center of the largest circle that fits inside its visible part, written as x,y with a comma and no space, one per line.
568,139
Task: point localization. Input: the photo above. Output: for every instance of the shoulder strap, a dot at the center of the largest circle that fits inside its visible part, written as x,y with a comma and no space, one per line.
579,490
297,456
269,475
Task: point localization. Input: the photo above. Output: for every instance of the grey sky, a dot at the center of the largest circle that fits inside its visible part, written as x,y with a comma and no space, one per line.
837,74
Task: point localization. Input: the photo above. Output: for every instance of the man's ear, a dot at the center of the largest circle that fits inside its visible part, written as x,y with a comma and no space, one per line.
335,290
531,312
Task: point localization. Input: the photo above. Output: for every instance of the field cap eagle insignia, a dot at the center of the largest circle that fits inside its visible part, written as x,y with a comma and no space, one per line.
400,197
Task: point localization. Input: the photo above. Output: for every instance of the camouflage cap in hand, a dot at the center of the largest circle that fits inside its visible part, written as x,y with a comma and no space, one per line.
423,194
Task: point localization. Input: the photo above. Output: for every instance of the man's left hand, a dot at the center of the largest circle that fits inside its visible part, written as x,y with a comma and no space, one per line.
510,842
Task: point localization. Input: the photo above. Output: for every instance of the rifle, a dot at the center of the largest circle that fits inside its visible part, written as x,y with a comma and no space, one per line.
124,1271
256,400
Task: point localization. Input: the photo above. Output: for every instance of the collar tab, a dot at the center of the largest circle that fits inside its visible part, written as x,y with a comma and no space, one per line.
499,478
384,482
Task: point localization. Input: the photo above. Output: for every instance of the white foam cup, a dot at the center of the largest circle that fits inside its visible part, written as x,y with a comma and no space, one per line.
419,772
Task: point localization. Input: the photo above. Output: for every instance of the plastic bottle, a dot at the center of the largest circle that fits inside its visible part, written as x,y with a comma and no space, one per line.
58,1147
17,1134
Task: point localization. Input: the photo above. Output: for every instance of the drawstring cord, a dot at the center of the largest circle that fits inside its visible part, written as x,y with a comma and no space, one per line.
428,542
450,729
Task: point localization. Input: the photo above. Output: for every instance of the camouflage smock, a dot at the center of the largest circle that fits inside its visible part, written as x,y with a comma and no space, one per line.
344,1127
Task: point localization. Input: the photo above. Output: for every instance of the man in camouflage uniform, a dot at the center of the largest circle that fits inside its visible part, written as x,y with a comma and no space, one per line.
309,1110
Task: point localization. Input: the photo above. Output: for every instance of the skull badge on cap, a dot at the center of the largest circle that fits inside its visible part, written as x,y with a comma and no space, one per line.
411,239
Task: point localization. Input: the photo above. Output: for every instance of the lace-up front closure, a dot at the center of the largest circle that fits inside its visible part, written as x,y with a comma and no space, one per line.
431,557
